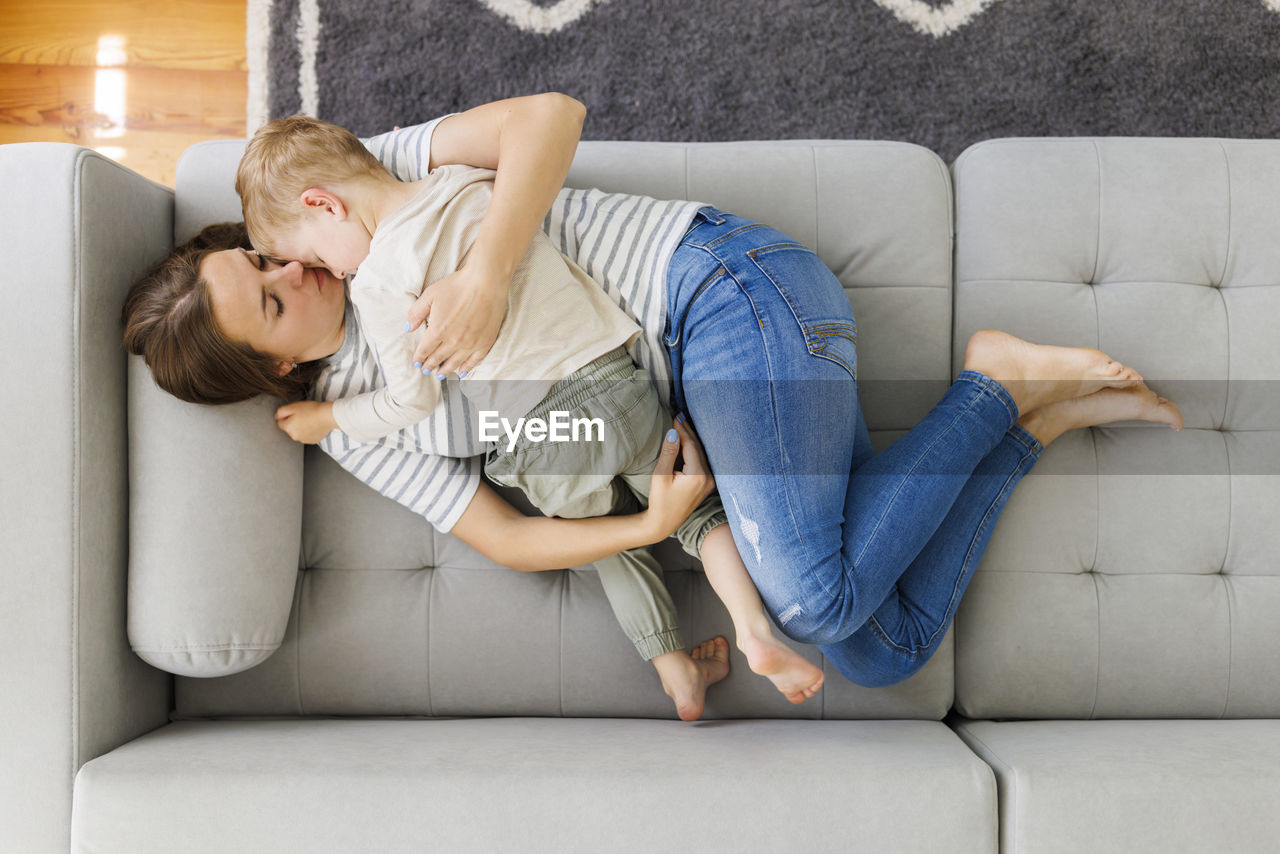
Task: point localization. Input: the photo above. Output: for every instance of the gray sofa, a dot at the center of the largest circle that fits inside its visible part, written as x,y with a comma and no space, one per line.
1112,681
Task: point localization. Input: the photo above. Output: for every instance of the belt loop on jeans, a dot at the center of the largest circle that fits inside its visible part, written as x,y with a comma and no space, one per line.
705,214
711,215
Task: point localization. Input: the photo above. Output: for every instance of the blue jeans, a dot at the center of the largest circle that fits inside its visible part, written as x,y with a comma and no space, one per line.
864,554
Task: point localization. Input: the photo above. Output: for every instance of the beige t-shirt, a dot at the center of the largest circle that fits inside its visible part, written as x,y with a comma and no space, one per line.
558,319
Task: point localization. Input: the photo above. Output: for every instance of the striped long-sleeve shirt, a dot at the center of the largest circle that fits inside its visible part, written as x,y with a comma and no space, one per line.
624,243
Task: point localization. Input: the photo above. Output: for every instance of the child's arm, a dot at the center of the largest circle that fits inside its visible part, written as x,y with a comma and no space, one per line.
307,421
406,397
362,418
533,543
530,142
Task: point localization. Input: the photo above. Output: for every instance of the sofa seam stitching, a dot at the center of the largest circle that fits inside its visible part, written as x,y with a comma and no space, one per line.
1226,703
685,153
1226,446
1097,594
953,212
1226,312
431,591
564,592
1097,246
1226,261
822,705
1097,669
813,163
1097,502
302,598
1022,280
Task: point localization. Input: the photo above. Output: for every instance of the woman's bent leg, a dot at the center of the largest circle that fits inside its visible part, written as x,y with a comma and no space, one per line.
776,421
905,631
828,551
762,347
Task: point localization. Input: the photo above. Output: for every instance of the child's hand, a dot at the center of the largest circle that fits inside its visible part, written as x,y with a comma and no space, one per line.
307,421
673,495
465,310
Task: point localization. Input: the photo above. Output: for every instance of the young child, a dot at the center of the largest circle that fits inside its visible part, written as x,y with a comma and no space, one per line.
312,192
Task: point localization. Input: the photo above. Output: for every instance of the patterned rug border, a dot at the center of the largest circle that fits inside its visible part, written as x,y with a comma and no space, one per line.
937,19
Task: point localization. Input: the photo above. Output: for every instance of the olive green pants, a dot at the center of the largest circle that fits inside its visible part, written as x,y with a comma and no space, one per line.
606,470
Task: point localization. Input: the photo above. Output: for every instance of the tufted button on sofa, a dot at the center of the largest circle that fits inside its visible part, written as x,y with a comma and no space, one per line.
351,680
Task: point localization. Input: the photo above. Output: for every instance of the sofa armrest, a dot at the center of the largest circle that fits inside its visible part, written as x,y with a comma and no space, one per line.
77,230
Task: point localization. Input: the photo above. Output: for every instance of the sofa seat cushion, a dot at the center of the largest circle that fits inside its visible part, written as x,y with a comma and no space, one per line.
1165,785
536,784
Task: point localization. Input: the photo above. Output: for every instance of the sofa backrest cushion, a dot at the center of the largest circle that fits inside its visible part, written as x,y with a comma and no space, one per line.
389,617
1135,571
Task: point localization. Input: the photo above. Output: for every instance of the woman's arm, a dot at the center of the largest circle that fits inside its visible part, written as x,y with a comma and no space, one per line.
532,543
530,142
503,534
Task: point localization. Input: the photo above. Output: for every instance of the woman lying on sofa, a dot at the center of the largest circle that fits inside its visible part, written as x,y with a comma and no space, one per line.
752,337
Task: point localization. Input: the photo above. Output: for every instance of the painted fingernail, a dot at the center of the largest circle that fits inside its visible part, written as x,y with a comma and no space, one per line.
462,374
426,371
439,376
680,418
672,435
407,327
417,364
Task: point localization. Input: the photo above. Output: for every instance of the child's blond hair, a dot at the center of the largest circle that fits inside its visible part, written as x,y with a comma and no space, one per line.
284,158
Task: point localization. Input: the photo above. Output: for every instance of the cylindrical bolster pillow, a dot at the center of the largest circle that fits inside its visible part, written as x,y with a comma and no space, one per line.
215,530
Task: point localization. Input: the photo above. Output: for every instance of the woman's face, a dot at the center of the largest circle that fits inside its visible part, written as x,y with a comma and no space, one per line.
291,313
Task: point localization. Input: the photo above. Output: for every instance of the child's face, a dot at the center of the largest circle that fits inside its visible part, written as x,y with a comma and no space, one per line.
322,239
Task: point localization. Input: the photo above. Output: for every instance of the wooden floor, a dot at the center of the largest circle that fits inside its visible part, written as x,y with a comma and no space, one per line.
138,80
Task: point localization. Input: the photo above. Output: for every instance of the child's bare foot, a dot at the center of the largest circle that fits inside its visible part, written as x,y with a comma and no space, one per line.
685,677
790,672
1137,403
1037,375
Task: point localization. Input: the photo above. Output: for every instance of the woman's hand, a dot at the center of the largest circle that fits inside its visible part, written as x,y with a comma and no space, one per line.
306,421
533,543
529,142
463,312
673,494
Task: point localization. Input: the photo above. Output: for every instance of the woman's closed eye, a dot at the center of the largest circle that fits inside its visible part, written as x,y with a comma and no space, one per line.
261,261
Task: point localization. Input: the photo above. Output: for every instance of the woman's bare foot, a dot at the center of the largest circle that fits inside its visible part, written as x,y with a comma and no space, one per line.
1036,375
1136,403
685,677
790,672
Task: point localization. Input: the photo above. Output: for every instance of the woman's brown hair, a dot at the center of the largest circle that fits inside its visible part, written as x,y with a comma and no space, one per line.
168,320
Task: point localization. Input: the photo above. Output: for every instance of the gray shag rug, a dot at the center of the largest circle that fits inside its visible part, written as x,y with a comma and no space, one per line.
941,74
